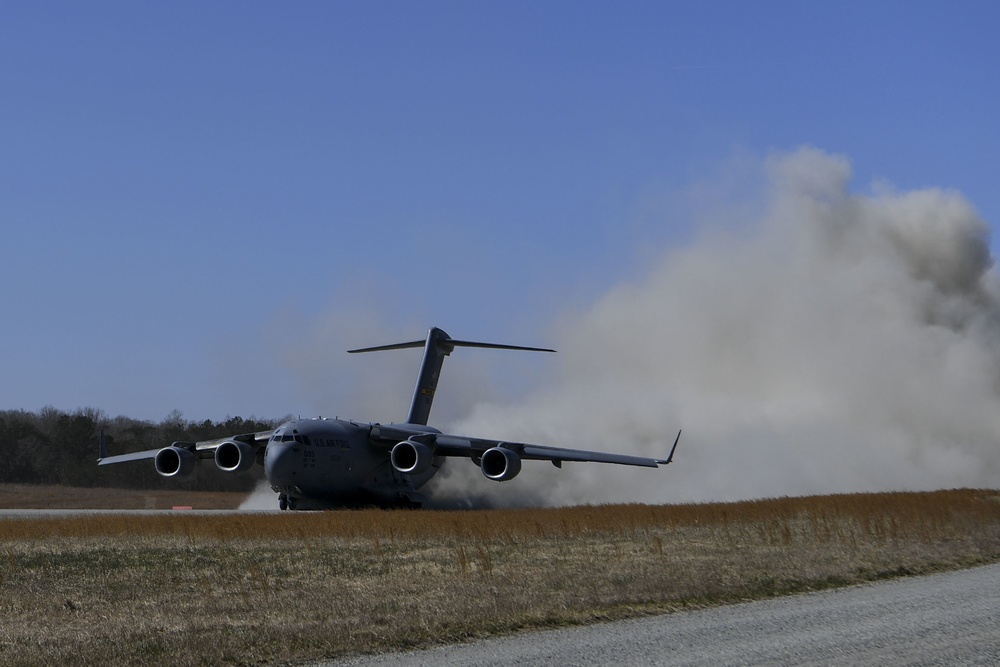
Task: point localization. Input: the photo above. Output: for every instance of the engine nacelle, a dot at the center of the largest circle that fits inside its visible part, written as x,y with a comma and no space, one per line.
411,457
233,456
500,464
175,462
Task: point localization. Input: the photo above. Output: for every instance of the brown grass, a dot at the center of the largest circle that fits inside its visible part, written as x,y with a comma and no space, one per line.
181,589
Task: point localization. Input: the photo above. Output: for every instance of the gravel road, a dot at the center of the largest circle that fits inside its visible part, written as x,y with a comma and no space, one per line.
941,619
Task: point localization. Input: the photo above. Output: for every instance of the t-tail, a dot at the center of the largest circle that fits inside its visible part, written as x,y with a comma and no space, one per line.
437,346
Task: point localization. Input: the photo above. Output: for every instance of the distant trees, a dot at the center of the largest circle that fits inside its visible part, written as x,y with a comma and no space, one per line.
55,447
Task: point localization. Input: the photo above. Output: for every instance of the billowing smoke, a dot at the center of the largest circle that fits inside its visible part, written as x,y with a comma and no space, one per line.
831,342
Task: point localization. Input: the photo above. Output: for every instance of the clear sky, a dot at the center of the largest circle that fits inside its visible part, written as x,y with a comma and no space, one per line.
190,192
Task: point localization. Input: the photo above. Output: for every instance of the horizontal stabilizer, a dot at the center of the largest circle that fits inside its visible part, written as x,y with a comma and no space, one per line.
395,346
449,343
496,346
437,346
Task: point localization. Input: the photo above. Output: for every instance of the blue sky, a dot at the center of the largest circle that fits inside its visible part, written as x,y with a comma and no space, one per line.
191,190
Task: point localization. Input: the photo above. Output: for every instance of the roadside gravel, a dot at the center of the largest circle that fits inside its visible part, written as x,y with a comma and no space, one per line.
942,619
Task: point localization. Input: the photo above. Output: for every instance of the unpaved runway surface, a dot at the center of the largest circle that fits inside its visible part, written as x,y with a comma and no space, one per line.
69,513
942,619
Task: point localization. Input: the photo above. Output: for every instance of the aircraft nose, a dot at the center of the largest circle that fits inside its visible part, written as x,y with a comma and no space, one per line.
278,463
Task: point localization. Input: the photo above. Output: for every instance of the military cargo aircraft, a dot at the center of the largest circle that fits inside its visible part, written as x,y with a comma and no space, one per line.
324,463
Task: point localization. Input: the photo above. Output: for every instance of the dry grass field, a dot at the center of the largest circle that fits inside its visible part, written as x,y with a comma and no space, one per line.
183,589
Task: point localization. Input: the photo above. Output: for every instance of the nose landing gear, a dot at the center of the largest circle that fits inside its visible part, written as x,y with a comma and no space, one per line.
287,503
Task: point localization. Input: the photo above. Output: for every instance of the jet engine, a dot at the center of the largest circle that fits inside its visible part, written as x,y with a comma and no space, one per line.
175,461
234,456
500,464
411,457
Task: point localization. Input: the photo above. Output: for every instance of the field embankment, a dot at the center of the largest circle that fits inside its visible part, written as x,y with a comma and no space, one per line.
181,589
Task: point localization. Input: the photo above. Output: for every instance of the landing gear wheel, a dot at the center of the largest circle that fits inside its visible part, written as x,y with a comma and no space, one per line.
282,502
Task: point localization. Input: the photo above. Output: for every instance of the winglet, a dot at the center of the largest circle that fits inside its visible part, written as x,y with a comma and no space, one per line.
672,450
103,447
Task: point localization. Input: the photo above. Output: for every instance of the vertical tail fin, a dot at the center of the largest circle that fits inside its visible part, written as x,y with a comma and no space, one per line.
437,346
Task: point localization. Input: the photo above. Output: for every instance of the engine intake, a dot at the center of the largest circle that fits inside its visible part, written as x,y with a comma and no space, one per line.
233,456
500,464
411,457
175,462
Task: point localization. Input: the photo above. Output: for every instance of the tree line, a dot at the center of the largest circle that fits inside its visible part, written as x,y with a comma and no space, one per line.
55,447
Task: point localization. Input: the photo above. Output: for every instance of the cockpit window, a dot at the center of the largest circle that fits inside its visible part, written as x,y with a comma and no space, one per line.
279,437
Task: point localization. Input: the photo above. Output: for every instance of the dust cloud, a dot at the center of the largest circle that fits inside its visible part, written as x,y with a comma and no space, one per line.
831,341
261,498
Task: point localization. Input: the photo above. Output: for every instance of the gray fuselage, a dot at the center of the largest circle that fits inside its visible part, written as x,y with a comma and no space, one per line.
333,460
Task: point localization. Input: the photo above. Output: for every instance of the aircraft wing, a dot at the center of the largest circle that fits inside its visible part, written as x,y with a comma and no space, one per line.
445,444
204,449
124,458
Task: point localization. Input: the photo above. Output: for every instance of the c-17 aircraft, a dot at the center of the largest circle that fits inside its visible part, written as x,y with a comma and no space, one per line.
325,463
